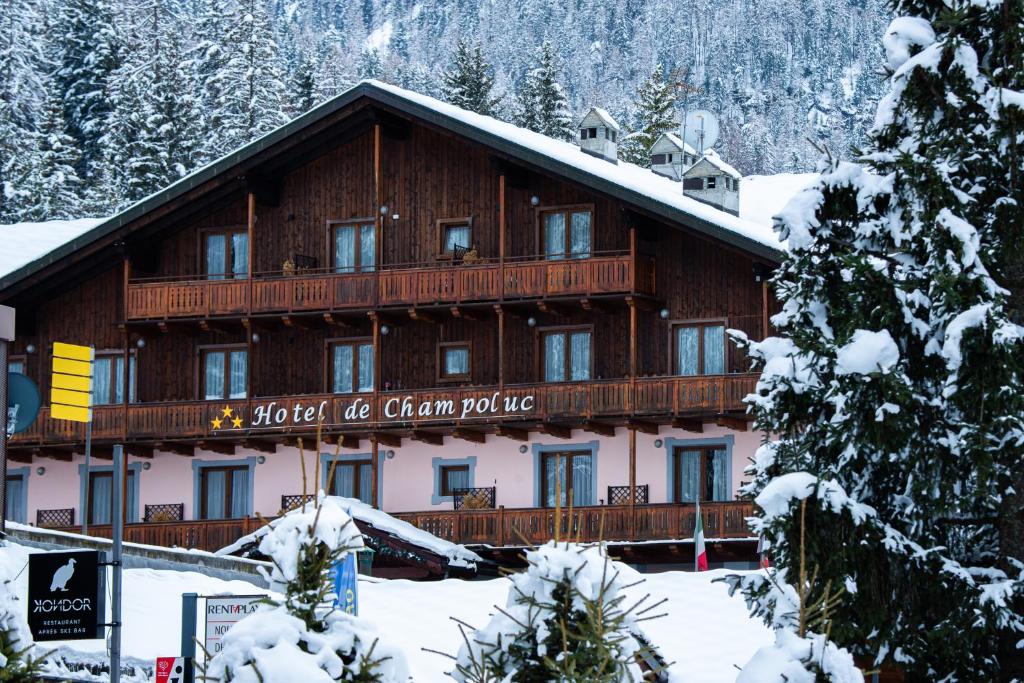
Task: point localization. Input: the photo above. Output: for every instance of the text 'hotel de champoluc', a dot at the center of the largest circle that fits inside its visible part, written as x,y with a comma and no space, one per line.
475,317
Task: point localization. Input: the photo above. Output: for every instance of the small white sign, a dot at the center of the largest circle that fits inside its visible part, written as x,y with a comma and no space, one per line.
6,323
222,613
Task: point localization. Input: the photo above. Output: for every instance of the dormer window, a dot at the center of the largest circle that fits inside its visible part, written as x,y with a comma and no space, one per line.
711,182
588,133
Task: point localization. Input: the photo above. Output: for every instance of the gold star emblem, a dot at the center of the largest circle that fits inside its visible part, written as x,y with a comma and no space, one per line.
236,423
216,422
226,412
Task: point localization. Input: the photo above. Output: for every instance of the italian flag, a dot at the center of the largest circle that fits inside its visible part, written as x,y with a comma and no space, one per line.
700,552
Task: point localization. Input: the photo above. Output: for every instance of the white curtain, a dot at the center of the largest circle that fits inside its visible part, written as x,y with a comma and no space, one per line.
215,257
550,473
554,235
344,479
366,367
345,249
688,474
102,392
456,236
368,247
720,466
456,361
366,482
118,388
579,235
240,254
342,368
554,358
457,479
216,487
687,351
99,498
213,380
238,372
16,366
14,502
132,510
714,350
239,492
580,344
582,480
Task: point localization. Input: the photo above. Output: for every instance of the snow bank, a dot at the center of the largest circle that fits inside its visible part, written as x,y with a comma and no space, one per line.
792,659
22,243
867,352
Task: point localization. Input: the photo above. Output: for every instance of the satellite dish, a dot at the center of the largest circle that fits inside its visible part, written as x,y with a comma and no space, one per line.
700,130
22,402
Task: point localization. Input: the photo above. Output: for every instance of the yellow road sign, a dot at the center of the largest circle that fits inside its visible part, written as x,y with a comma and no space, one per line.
71,384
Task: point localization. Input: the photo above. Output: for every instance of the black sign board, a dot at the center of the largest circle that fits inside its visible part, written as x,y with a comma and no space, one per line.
65,595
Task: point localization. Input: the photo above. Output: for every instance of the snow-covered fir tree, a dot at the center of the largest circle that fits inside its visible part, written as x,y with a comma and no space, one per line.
89,54
18,664
654,113
24,68
469,81
541,103
895,387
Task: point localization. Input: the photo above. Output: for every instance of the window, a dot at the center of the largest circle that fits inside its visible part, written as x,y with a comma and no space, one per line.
569,471
355,247
224,373
452,233
16,364
352,479
699,348
454,477
701,470
224,492
351,366
615,135
108,379
588,133
566,233
16,497
657,159
453,361
101,498
226,254
566,354
711,182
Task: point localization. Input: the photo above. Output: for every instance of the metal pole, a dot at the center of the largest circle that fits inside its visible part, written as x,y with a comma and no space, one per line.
189,602
115,609
696,521
3,438
88,453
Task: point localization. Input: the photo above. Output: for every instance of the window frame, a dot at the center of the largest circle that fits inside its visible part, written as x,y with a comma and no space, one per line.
565,330
442,347
442,225
355,343
711,182
133,381
227,231
332,227
699,323
549,457
202,350
228,486
130,482
567,210
445,489
18,358
706,453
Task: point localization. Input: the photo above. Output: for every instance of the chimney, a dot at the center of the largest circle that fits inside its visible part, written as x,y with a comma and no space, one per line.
599,135
713,182
670,156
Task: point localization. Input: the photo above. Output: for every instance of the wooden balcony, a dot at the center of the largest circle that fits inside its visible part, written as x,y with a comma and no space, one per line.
441,283
500,527
657,398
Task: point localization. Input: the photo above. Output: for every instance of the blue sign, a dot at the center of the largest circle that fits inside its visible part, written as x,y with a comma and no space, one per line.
346,588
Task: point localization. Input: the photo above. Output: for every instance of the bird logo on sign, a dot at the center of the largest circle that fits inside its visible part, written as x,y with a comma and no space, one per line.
62,576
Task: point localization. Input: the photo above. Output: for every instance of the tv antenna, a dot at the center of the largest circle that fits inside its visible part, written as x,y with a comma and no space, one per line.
700,130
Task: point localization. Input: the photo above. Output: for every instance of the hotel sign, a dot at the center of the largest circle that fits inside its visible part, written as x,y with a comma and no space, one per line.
270,414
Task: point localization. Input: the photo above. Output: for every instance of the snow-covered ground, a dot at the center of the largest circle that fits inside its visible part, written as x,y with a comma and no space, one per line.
22,243
707,634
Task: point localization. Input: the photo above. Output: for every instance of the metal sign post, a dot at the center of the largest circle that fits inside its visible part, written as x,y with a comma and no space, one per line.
6,335
115,601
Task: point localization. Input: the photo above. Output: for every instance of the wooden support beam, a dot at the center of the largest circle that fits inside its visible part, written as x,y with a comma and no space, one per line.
186,449
732,422
53,453
552,308
513,433
557,431
350,440
18,455
295,322
215,446
387,438
643,426
643,303
602,305
690,424
261,445
335,320
139,450
469,435
102,452
432,438
599,428
467,313
211,326
424,316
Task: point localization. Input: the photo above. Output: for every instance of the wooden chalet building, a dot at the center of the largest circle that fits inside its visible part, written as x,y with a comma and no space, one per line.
475,315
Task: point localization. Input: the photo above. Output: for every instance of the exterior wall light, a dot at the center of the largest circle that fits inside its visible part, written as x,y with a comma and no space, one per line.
255,337
663,313
534,200
658,443
140,343
260,459
523,448
383,211
384,330
40,471
31,348
146,465
389,454
531,321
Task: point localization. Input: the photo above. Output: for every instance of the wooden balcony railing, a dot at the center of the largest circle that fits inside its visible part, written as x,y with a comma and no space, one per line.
405,285
497,527
648,396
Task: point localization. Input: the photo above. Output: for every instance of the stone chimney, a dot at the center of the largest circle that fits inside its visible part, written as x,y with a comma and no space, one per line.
599,135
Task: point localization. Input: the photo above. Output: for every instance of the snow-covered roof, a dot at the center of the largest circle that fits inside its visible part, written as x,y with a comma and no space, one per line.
711,156
657,194
677,142
764,196
23,243
604,116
